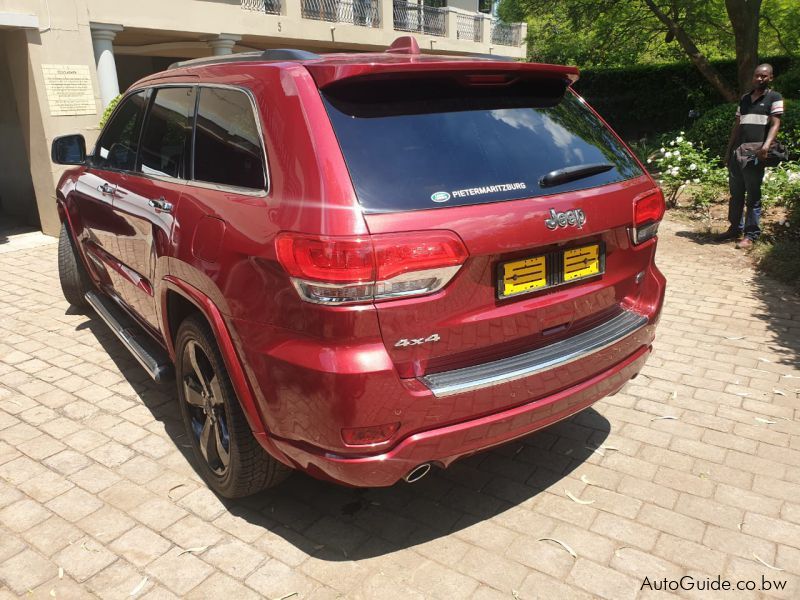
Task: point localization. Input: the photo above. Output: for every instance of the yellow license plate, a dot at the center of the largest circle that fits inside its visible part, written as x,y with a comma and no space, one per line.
523,276
581,262
549,270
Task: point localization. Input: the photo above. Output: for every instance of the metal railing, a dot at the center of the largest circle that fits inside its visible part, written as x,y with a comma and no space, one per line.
504,34
272,7
420,18
355,12
469,27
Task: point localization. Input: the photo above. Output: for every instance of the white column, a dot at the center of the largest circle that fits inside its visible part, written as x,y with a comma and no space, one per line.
386,13
223,43
451,24
103,35
486,31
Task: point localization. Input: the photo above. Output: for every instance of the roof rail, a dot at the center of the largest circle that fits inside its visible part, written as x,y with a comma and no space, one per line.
266,55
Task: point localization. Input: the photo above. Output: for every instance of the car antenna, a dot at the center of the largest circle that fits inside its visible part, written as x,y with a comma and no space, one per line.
405,44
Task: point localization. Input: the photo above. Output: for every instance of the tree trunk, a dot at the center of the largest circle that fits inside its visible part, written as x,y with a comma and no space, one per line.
693,52
744,16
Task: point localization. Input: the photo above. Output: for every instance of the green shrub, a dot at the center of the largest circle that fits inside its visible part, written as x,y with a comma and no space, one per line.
109,109
686,166
778,252
789,133
647,147
713,128
781,186
788,84
643,100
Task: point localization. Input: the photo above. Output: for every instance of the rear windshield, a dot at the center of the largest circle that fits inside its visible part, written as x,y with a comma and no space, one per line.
413,145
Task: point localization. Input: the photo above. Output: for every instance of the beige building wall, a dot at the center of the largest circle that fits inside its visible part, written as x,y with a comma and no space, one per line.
142,37
61,36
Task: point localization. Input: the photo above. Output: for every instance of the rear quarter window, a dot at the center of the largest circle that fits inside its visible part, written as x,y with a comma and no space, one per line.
412,145
227,145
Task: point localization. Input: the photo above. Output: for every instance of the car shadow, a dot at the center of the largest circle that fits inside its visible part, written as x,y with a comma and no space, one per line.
336,523
782,318
781,310
159,399
698,237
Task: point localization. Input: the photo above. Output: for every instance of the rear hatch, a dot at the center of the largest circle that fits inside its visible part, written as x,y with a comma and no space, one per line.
536,186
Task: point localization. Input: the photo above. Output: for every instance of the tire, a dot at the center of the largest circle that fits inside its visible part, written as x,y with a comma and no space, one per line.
229,458
74,279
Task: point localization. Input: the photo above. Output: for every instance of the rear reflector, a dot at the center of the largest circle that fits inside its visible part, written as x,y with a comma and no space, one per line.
339,270
647,214
364,436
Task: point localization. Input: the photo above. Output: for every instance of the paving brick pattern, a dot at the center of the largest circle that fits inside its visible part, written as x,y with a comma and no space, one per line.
693,469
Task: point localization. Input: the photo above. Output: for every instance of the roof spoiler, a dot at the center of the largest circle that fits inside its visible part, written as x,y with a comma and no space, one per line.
328,74
407,44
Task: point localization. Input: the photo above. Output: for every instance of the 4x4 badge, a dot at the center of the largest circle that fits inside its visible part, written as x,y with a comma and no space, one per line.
417,341
569,218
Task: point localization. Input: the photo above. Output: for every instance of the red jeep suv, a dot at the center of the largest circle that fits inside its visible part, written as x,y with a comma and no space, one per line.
363,265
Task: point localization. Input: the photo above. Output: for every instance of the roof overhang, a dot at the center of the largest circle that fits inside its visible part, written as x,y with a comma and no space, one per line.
10,20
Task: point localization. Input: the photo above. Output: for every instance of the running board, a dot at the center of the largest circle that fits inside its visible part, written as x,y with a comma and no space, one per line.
144,349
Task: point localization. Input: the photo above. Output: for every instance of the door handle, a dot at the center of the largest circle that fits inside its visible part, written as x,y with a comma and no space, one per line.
106,189
161,205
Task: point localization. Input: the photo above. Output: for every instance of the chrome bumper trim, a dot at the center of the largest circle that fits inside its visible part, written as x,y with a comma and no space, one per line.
536,361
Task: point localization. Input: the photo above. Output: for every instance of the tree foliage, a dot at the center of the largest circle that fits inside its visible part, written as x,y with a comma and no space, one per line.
612,33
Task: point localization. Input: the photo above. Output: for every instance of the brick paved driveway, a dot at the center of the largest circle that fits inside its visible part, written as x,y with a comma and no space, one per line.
694,469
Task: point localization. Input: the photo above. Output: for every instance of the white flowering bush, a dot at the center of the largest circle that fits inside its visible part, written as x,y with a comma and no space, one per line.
781,184
685,166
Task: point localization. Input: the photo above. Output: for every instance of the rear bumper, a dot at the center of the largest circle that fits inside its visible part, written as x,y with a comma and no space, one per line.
444,445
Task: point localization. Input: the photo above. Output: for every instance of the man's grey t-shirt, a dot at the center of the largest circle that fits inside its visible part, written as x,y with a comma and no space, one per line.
754,116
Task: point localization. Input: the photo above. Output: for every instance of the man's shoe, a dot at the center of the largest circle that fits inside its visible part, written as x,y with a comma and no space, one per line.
744,244
730,234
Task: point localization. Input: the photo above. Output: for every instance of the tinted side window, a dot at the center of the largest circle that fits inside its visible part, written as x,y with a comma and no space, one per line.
227,147
116,148
167,136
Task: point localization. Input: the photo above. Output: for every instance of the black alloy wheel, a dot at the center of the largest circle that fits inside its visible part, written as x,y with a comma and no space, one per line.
226,452
209,423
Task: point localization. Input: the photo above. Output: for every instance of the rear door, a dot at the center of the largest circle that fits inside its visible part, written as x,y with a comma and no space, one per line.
549,254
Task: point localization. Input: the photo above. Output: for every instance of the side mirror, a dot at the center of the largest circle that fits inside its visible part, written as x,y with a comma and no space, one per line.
68,150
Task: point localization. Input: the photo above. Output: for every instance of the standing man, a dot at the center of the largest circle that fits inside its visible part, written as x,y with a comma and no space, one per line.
758,119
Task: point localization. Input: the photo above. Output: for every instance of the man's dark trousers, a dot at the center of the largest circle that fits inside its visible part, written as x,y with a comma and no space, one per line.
747,181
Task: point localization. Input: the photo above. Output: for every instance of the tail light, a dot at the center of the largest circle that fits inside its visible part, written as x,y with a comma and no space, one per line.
347,270
647,214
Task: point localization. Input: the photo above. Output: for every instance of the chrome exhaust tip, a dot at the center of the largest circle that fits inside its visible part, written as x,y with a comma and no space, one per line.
417,473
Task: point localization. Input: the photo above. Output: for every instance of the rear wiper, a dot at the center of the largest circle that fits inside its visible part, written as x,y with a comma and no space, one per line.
566,174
